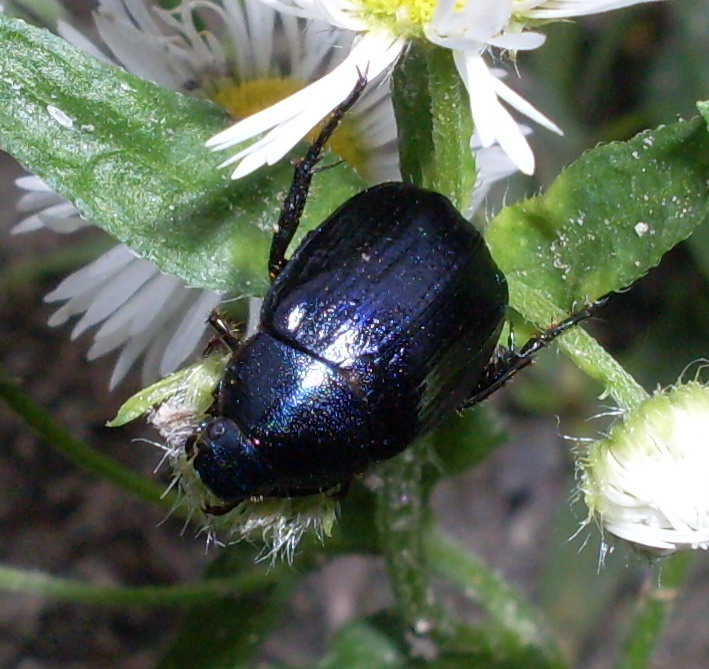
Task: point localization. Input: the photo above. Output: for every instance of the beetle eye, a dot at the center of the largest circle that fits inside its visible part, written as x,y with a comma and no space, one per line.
216,430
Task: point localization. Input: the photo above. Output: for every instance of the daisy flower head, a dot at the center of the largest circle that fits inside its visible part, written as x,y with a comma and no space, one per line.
242,55
648,481
471,29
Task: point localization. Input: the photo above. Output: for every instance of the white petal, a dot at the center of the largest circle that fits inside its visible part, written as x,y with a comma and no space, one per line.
114,294
333,12
478,21
30,182
492,121
521,105
151,319
188,331
290,119
144,53
129,354
560,9
493,165
78,39
136,314
41,199
49,209
86,279
524,41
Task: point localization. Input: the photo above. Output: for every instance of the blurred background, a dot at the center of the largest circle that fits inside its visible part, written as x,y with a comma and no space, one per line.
601,79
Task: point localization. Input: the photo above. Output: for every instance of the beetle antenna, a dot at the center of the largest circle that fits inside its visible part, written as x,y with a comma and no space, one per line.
293,205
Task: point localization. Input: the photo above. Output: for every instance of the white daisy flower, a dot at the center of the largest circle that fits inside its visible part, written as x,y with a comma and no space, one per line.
471,29
648,481
248,57
493,165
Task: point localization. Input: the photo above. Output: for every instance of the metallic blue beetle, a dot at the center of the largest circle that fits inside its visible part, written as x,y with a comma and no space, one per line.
385,320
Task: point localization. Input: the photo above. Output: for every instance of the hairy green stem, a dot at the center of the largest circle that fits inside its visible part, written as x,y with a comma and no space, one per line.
69,590
433,116
653,609
488,589
454,170
583,349
400,519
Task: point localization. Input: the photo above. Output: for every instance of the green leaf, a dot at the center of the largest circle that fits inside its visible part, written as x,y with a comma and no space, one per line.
606,220
703,107
131,156
360,645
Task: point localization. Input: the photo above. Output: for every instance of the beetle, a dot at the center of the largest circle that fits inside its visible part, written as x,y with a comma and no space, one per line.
385,319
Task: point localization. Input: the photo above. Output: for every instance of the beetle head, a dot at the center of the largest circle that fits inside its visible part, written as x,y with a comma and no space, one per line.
227,462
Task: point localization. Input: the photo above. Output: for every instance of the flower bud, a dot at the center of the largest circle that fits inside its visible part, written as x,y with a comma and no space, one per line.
648,481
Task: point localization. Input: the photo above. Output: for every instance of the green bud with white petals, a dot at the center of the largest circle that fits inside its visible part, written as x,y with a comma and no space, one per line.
648,481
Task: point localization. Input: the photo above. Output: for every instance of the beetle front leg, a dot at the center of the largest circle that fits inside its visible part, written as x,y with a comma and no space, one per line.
224,330
293,205
507,361
220,509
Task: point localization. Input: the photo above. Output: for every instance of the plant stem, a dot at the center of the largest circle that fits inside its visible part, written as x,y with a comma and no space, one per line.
489,590
434,124
583,349
454,169
400,518
654,607
68,590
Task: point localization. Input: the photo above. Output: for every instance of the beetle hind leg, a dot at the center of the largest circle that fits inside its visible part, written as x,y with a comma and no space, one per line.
507,361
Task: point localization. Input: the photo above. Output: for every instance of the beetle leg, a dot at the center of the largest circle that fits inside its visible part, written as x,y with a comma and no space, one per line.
337,493
293,205
507,362
224,330
220,509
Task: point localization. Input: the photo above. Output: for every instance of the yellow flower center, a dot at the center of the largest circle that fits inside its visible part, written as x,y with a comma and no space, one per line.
403,18
244,99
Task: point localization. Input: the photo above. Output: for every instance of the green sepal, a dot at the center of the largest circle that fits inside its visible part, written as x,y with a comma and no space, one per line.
193,383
